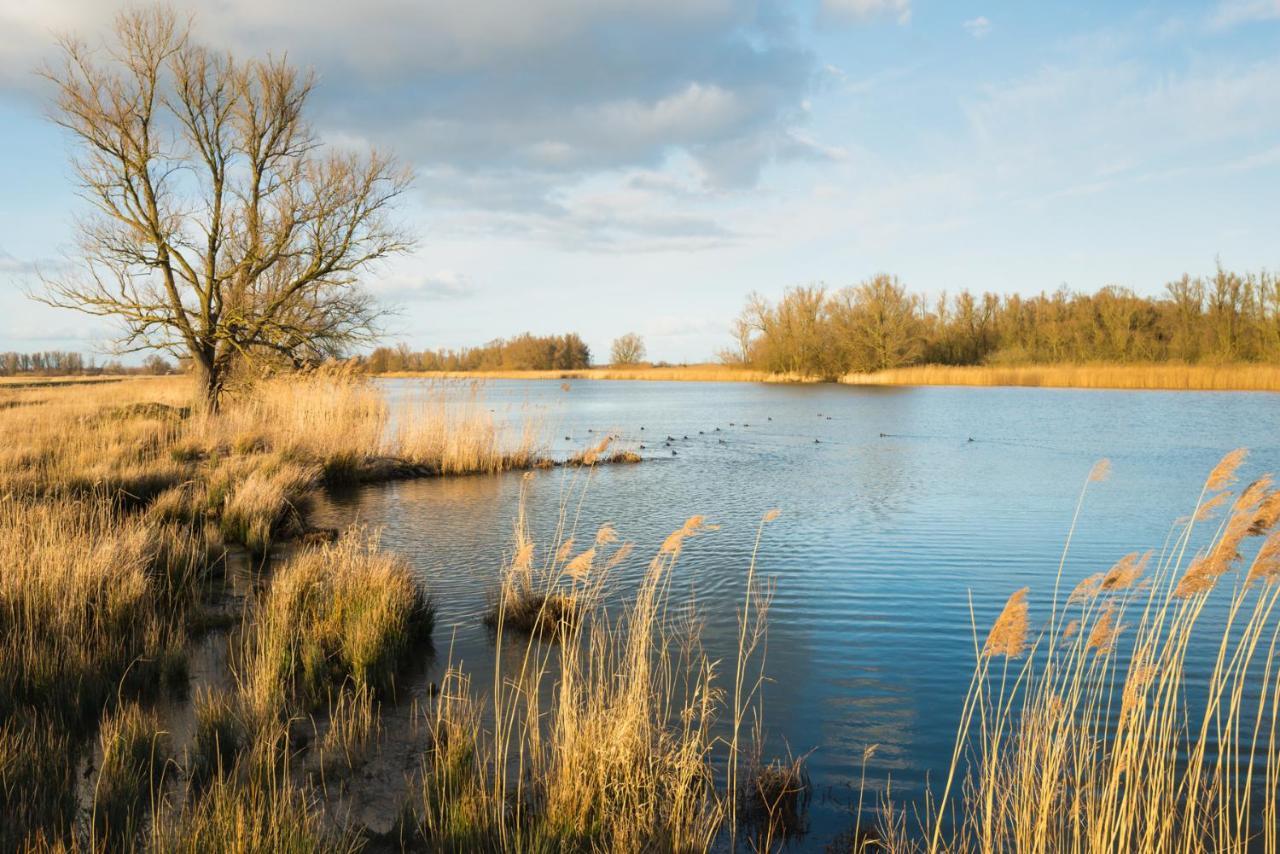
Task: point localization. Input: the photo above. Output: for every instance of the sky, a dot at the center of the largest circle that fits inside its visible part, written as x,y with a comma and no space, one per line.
605,166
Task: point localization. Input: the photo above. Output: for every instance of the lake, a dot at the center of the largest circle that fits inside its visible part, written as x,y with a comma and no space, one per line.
901,508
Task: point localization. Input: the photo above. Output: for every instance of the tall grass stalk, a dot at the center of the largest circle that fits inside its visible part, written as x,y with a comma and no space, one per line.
599,730
1091,736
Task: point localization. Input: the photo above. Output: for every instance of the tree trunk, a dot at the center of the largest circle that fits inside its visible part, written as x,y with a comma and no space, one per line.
210,377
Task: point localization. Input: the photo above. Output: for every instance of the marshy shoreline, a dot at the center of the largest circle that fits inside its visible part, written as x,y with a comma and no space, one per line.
1154,376
138,532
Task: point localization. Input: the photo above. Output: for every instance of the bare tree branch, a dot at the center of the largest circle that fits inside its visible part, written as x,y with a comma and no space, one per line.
219,229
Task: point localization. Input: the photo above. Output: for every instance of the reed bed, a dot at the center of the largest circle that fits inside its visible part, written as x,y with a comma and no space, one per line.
619,758
1173,376
93,605
255,805
546,593
675,373
447,433
247,469
338,613
601,740
99,437
1152,376
334,627
327,419
90,602
37,781
1086,732
117,502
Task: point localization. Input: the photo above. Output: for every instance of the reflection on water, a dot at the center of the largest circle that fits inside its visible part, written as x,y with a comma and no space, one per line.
897,506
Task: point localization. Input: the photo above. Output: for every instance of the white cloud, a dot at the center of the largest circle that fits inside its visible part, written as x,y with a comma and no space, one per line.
503,106
1230,13
862,10
558,85
403,285
977,27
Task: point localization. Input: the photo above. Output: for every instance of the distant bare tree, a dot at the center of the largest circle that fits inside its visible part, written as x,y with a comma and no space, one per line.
742,329
627,349
156,364
220,230
877,324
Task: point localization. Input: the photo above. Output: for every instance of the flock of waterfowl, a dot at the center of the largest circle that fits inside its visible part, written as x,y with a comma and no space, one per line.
669,441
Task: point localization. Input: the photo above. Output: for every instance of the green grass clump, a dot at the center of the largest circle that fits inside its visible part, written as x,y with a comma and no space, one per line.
260,498
341,612
133,756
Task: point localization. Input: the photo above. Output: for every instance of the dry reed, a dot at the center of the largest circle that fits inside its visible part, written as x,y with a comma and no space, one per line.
1169,376
599,742
1099,739
675,373
346,611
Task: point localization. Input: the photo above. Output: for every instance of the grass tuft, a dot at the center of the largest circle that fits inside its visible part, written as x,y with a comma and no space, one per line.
133,756
338,612
776,802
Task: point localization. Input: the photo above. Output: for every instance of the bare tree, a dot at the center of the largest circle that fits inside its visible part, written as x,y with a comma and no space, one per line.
877,323
627,349
220,230
741,330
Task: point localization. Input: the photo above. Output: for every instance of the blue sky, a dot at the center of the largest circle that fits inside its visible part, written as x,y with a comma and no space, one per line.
614,165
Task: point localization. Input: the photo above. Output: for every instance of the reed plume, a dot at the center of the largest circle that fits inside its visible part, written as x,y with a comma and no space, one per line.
1008,636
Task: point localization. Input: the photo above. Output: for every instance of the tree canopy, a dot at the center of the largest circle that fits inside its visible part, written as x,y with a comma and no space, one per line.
879,324
221,229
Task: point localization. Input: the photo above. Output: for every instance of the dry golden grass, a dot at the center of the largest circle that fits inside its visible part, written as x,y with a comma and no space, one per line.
134,751
1169,376
253,807
140,436
37,781
1098,739
258,500
710,372
32,381
88,598
346,611
599,742
103,437
93,605
445,432
247,468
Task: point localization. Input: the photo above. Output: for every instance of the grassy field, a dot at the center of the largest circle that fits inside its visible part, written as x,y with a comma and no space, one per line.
1168,376
121,509
688,373
26,381
1174,377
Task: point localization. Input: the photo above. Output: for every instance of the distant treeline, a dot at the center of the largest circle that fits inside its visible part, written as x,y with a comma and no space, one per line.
879,324
59,363
523,352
